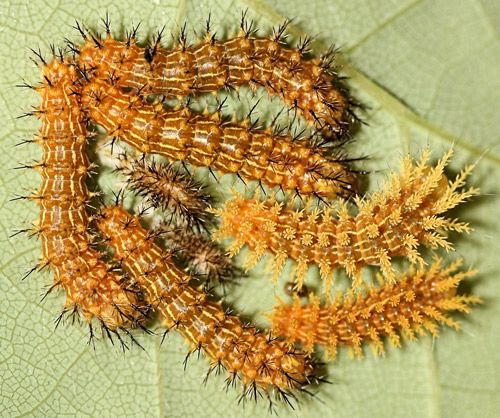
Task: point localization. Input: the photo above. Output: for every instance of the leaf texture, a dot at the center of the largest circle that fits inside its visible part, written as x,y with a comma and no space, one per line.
427,72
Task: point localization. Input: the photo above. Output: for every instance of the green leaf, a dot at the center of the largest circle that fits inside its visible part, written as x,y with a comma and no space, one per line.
428,72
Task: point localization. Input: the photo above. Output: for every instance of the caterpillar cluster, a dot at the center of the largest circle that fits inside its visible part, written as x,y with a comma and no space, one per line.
108,83
77,91
306,85
258,359
405,214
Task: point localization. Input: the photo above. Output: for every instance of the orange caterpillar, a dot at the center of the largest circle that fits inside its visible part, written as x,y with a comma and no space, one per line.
274,160
412,306
67,247
393,222
307,85
261,361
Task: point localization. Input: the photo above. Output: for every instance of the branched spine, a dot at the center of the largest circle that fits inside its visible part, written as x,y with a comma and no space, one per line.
405,214
415,305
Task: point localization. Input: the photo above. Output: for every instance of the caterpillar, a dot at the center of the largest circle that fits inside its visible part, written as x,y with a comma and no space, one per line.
92,288
188,200
405,214
261,361
201,255
414,305
252,154
167,188
309,86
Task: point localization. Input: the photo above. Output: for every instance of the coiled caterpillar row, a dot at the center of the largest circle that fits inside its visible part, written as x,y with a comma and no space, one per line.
307,85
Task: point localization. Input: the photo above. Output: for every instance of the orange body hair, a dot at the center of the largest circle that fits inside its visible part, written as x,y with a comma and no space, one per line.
406,214
261,361
415,305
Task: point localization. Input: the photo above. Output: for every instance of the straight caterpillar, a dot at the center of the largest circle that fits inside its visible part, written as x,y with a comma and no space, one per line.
163,186
179,135
91,286
414,305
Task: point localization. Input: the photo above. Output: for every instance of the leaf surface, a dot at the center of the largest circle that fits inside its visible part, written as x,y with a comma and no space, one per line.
428,73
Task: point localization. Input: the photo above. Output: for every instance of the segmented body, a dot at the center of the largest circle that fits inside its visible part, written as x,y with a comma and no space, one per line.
179,135
259,360
166,187
67,246
305,85
394,222
415,305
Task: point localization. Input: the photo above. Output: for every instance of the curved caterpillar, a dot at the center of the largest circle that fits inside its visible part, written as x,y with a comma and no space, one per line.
309,86
261,361
391,223
67,247
165,187
274,160
414,305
